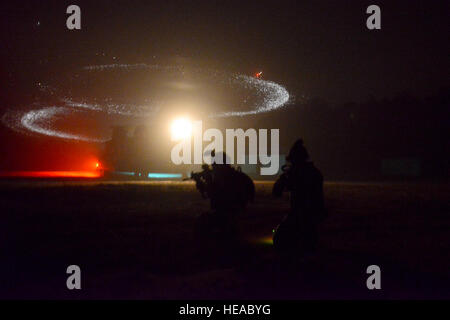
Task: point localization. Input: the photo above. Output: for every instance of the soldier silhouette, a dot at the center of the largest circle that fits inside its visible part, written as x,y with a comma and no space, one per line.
202,180
297,233
229,191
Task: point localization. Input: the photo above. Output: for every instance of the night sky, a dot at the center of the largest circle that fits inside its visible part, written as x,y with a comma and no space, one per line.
318,49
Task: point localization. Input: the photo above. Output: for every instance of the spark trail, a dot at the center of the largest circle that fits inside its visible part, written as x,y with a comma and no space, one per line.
40,119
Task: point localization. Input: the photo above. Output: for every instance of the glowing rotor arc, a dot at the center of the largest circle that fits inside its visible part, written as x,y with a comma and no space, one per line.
40,120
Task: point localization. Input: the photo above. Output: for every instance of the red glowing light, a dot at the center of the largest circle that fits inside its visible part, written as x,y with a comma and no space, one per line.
258,75
51,174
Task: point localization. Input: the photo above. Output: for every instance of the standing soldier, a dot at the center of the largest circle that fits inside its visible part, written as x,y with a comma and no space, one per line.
298,231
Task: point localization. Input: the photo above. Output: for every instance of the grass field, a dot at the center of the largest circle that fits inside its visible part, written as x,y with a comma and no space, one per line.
135,240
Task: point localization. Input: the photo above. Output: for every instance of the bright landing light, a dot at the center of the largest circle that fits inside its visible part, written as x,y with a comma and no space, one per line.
181,129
